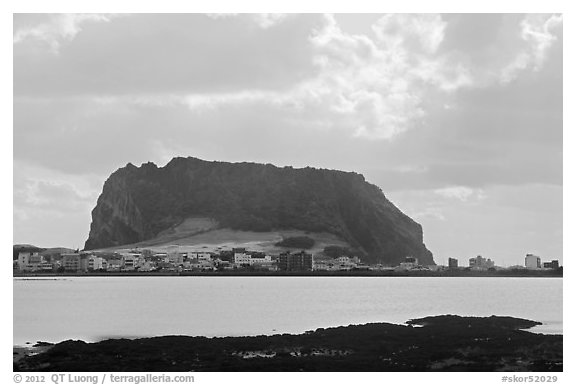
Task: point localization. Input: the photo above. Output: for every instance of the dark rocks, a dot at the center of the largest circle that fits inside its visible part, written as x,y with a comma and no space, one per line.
446,343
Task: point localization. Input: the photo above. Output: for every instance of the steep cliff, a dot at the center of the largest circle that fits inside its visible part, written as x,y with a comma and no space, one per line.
137,203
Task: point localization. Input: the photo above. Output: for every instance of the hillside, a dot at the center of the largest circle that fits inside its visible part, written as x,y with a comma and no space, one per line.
190,196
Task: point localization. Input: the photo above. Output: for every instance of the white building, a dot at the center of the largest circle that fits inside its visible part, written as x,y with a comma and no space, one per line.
24,259
532,261
28,261
97,263
242,259
264,260
200,256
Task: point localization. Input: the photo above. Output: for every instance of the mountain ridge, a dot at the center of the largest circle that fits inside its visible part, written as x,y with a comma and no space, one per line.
138,203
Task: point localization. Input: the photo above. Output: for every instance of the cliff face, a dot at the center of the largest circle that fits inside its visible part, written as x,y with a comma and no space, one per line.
137,203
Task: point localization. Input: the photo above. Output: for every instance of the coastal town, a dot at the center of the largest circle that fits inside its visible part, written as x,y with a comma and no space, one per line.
241,260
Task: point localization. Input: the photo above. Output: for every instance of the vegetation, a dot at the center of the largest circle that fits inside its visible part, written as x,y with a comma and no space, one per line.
339,251
302,242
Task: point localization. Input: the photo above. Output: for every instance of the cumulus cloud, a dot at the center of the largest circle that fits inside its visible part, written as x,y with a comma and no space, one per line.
539,32
373,86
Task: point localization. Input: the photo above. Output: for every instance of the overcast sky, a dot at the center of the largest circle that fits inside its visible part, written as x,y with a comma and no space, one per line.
458,118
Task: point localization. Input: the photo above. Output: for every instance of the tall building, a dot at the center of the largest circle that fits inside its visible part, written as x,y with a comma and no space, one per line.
295,262
532,261
23,259
452,263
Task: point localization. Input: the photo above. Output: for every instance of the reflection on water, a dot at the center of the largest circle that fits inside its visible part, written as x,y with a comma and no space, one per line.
94,308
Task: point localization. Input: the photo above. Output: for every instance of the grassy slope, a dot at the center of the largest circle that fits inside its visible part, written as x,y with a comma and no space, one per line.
203,234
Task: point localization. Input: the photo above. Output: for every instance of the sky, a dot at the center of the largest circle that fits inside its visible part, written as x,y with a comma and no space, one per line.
456,117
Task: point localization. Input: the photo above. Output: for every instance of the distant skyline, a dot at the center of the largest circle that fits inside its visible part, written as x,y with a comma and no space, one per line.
458,118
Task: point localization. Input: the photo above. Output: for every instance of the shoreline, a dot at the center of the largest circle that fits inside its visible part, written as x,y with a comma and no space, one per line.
438,343
439,274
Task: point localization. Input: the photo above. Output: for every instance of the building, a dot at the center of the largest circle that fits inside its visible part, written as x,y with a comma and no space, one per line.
480,263
552,264
346,263
301,261
242,259
199,264
200,256
129,262
71,262
24,259
324,265
113,264
262,261
452,263
532,261
409,263
28,261
147,266
255,259
97,263
176,258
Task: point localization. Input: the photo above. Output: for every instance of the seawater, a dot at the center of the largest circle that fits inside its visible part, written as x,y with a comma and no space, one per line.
96,308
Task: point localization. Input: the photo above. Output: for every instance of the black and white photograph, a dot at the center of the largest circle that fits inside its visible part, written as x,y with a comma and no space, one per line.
287,192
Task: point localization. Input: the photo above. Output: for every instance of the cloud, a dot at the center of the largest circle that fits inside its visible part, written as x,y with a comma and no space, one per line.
431,213
538,30
461,193
166,54
53,31
540,33
418,33
51,196
372,87
305,82
262,20
268,20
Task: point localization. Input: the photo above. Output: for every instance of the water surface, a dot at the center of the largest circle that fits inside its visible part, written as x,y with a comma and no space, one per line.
94,308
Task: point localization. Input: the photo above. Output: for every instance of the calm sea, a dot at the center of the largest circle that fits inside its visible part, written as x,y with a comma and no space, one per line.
95,308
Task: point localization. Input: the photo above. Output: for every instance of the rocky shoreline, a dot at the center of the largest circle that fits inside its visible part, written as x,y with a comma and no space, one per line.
440,343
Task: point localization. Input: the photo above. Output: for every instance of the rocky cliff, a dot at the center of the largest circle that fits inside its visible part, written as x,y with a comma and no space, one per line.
138,203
